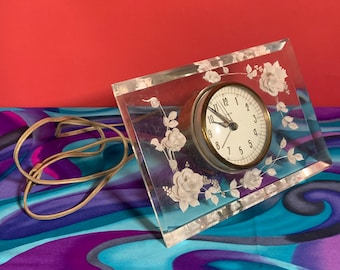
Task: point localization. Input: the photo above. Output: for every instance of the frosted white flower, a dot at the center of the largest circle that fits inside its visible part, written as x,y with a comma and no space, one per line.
212,76
174,140
252,179
186,188
273,79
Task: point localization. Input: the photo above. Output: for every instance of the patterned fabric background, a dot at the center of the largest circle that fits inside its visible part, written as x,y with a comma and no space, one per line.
297,229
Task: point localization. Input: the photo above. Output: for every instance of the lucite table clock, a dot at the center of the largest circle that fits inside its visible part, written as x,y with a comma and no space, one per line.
218,136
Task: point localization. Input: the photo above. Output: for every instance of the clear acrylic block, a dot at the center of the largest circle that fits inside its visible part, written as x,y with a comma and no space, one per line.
190,194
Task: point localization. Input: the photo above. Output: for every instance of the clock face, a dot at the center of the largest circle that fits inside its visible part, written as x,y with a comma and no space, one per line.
232,126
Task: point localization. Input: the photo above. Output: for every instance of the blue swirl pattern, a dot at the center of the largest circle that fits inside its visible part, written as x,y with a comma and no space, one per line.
297,229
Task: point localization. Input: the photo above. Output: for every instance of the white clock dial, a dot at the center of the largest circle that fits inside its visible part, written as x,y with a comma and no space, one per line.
235,127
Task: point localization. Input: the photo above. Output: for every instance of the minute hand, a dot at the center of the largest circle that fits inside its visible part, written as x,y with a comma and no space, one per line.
221,116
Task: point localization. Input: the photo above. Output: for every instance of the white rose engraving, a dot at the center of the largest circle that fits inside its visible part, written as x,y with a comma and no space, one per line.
174,140
186,188
273,79
252,179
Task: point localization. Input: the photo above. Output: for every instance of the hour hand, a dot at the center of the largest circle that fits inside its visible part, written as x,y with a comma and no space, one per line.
227,121
223,124
221,116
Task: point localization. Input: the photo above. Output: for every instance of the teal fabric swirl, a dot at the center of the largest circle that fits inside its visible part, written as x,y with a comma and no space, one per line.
297,229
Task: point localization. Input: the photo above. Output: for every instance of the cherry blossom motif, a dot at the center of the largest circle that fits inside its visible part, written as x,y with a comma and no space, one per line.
273,79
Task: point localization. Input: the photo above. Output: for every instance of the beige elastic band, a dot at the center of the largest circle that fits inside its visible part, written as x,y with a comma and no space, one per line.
33,177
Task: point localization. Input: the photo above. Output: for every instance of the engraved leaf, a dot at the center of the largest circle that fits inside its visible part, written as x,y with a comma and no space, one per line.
291,157
283,143
155,142
173,123
207,194
214,199
213,190
271,172
298,157
183,205
293,125
225,70
288,118
194,203
269,160
281,106
233,189
172,115
248,69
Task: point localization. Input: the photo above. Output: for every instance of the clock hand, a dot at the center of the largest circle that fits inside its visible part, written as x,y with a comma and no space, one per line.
226,122
221,116
225,140
227,115
223,124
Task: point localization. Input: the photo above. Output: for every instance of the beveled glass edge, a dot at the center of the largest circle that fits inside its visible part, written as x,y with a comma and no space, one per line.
226,211
143,82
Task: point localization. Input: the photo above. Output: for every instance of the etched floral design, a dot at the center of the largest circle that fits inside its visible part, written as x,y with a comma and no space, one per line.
173,140
189,187
252,179
186,188
212,76
273,79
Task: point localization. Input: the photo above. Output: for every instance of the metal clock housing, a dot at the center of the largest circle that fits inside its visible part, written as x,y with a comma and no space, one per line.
231,126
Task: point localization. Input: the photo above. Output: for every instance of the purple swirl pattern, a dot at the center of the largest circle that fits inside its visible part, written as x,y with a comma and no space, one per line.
297,229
